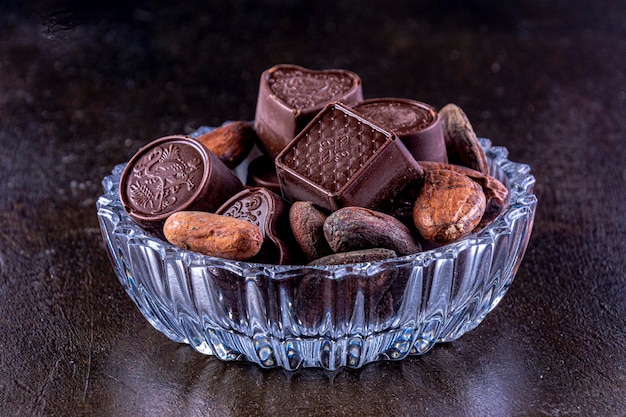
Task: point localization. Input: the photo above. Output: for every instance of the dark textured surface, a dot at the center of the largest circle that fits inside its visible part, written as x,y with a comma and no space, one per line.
83,87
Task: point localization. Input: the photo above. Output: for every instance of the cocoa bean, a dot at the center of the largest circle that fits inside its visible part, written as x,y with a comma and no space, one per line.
231,142
357,256
448,206
496,193
307,226
354,228
316,297
313,298
214,235
461,142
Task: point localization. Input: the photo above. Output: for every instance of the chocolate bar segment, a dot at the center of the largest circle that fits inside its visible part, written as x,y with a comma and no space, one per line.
174,173
417,124
290,96
342,159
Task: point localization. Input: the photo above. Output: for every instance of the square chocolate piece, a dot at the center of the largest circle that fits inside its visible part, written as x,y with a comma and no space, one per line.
343,159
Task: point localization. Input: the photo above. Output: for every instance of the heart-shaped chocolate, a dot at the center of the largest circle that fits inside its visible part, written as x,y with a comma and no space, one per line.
269,212
290,96
302,88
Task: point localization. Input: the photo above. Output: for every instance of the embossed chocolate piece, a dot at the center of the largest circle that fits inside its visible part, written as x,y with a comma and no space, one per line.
417,124
269,212
174,173
342,159
290,96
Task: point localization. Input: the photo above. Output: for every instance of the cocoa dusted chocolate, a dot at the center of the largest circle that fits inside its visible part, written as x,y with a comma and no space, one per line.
171,174
417,124
290,96
342,159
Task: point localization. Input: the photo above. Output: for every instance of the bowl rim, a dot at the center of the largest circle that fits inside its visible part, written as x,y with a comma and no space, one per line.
521,201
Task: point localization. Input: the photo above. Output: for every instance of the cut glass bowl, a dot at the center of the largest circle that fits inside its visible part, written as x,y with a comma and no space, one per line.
322,316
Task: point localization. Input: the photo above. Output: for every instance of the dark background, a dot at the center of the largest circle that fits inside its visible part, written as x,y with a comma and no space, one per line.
84,85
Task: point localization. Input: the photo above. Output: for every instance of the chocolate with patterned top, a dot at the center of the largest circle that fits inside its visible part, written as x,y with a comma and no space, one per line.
342,159
290,96
269,212
174,173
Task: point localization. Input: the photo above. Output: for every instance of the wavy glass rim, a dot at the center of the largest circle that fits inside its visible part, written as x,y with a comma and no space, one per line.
515,176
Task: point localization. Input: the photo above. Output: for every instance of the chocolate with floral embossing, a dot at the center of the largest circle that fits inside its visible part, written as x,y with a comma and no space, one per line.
171,174
343,159
417,124
269,212
290,96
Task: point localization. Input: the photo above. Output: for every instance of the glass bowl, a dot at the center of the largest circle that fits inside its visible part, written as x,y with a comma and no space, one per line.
322,316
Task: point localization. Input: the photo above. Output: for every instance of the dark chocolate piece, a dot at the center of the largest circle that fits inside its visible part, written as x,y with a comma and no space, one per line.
262,173
269,212
290,96
342,159
417,124
174,173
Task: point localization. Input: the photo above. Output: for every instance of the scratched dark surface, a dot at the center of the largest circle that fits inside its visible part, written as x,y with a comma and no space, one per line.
83,87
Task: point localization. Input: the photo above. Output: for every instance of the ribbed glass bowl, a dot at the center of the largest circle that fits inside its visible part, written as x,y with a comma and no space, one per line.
322,316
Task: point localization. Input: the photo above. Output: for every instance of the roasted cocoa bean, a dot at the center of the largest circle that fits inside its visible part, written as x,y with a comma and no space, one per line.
231,142
496,193
356,256
462,144
307,226
313,297
316,297
214,235
448,206
354,228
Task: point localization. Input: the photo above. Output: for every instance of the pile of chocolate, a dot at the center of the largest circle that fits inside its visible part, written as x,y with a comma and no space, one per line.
339,179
